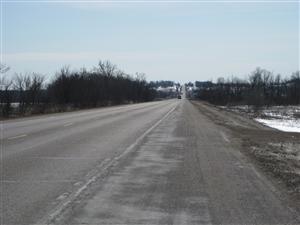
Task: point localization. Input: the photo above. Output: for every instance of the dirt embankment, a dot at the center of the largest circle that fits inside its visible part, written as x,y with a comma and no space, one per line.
276,153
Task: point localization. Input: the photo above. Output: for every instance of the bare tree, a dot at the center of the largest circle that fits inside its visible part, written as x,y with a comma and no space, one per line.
36,86
5,95
262,88
4,68
106,68
5,98
22,84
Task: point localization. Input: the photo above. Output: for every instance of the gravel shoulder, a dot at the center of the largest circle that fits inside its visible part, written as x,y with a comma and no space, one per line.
275,153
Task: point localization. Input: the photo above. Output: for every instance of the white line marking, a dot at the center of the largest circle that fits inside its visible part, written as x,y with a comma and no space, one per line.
68,124
16,137
72,197
224,137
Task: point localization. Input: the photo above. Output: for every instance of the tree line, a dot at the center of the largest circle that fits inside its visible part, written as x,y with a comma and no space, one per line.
103,85
163,83
261,88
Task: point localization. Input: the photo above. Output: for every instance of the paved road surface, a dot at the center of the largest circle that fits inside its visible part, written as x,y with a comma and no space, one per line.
151,163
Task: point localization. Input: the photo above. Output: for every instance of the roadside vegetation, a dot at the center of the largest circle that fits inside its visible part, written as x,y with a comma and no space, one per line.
262,88
265,97
104,85
166,89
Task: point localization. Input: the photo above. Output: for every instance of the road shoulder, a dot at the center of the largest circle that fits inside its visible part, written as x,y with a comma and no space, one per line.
270,151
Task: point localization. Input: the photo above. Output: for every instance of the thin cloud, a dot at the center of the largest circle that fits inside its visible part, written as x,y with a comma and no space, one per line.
78,56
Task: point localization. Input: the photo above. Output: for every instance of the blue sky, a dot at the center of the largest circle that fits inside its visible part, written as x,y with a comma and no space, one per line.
174,41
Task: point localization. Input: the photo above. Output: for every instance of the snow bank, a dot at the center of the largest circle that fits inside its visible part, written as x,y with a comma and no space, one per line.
285,118
288,125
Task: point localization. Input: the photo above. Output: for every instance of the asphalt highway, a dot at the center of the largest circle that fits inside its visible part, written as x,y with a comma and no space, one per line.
150,163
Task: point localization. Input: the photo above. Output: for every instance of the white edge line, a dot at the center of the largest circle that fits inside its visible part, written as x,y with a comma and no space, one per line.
16,137
224,136
68,124
62,206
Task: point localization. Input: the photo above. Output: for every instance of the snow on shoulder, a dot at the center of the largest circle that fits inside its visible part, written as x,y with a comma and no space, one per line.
287,125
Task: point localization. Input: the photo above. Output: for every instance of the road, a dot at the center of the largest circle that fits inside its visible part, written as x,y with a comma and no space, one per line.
150,163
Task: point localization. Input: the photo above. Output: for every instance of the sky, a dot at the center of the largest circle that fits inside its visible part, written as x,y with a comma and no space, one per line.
180,41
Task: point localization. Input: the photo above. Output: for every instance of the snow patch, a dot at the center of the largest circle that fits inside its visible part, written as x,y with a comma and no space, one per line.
287,125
